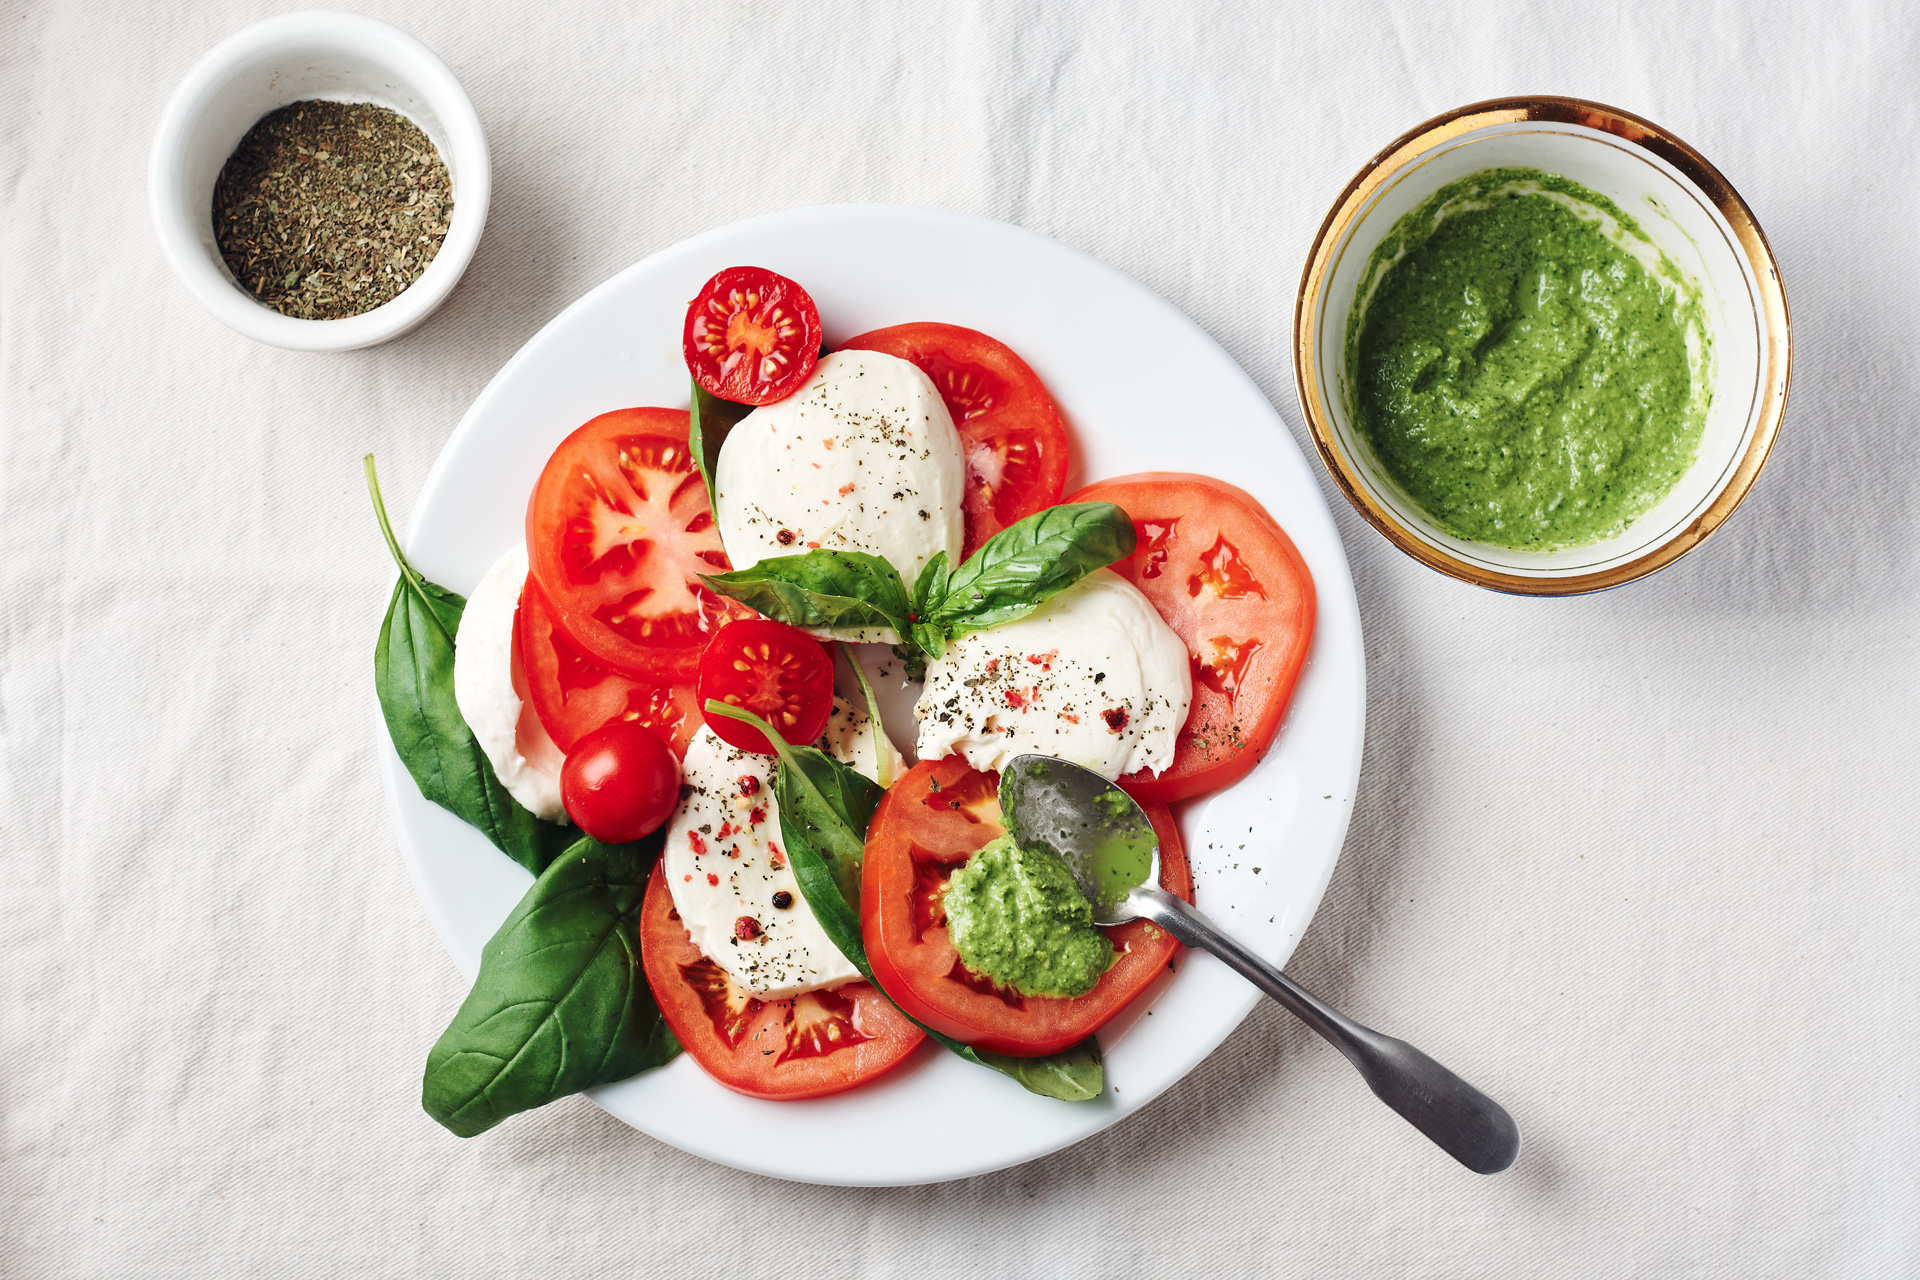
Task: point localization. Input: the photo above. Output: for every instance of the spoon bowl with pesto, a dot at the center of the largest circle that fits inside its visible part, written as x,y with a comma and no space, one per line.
1070,817
1542,346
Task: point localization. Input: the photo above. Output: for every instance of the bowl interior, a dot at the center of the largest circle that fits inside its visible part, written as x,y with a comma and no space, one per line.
1684,226
337,58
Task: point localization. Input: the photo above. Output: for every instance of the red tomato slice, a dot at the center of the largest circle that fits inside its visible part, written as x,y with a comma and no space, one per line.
778,672
530,737
618,532
801,1047
752,336
1015,443
1228,580
573,693
927,826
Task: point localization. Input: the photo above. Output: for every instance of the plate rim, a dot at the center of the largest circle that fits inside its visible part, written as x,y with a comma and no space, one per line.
1343,597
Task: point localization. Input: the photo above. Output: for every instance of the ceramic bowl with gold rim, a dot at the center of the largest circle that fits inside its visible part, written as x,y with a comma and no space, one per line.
1686,210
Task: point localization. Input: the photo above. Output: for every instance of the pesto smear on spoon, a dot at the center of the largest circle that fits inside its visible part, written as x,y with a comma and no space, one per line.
1525,363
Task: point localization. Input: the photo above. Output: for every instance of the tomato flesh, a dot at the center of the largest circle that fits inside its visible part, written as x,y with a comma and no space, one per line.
618,532
1231,584
530,736
752,336
804,1046
927,826
1011,432
574,693
778,672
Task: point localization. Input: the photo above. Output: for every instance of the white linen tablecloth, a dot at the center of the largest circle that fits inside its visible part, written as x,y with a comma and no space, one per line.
1643,864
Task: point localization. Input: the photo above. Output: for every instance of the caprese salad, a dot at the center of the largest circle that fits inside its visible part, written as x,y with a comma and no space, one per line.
667,703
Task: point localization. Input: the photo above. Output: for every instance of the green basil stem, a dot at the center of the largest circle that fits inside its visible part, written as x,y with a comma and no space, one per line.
880,745
781,748
407,570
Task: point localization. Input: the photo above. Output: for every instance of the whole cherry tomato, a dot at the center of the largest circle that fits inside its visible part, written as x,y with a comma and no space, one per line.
620,782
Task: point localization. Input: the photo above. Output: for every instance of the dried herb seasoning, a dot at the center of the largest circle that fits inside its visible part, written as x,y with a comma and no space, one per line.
329,209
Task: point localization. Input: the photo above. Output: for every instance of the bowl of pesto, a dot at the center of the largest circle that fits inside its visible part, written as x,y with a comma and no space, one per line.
1542,346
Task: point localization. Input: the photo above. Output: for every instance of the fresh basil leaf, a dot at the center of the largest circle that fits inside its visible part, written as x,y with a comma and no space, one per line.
1028,563
413,675
828,806
446,606
926,637
927,640
709,420
1073,1075
820,589
931,586
561,1003
825,894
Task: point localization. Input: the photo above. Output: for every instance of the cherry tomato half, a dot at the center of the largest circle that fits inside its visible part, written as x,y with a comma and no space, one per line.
620,782
752,336
778,672
928,825
1232,585
1010,431
618,531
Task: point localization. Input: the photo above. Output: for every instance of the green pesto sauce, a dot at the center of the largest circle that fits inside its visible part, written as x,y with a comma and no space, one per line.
1016,916
1525,378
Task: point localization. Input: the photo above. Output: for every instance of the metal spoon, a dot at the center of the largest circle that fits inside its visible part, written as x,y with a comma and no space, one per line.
1108,843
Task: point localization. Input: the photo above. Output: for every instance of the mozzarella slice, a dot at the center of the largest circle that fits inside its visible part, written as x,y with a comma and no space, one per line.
1093,676
863,457
506,728
725,860
886,674
849,738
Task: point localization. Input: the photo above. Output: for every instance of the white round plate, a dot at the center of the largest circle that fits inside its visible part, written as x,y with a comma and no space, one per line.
1142,388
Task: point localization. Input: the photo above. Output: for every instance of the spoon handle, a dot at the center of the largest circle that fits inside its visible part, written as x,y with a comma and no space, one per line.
1461,1120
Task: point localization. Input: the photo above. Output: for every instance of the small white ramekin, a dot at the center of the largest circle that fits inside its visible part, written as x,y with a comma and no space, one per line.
1685,207
339,57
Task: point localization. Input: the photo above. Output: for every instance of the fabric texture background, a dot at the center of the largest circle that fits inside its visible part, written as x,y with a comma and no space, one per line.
1642,863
